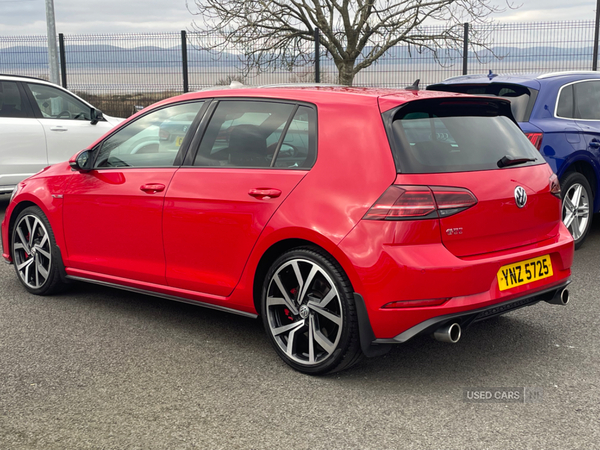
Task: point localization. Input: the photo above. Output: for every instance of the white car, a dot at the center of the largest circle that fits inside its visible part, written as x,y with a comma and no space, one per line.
42,124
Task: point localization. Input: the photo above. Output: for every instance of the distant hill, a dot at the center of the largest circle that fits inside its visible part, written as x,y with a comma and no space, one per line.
110,56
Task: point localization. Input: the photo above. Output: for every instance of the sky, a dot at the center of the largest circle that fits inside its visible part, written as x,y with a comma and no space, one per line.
28,17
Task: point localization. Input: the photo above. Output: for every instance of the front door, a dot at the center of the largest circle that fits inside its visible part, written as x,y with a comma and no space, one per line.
113,214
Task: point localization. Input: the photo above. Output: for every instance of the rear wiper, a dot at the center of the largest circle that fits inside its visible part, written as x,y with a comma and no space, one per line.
514,160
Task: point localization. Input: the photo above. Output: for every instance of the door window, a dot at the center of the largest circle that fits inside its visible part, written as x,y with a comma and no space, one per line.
57,104
587,100
243,134
12,103
151,141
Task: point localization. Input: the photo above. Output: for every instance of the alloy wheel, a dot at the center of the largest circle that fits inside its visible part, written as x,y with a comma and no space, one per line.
576,210
32,251
304,312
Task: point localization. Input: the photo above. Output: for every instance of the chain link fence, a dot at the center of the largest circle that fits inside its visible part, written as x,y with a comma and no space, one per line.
120,73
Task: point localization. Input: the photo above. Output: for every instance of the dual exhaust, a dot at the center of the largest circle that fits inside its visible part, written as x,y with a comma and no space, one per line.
452,332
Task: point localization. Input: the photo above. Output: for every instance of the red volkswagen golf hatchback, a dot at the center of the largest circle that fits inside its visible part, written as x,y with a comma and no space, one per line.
348,219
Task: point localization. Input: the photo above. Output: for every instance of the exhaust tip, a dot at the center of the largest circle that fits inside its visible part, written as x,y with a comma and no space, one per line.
560,298
564,296
448,333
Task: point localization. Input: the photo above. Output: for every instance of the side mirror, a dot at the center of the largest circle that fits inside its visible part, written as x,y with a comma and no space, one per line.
82,161
97,116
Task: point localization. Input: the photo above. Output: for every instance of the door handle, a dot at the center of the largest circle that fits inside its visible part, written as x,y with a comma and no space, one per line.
595,143
152,188
58,128
264,193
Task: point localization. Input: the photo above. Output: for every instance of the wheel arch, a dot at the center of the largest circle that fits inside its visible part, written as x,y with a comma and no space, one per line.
587,169
13,218
278,248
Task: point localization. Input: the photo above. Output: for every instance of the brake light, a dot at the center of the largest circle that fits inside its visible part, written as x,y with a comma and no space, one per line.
535,139
554,185
402,202
420,202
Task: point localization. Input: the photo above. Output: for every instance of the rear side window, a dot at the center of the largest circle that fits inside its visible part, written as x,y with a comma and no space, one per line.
259,134
455,135
564,107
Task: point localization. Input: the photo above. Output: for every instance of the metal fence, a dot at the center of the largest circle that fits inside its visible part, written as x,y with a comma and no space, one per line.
119,72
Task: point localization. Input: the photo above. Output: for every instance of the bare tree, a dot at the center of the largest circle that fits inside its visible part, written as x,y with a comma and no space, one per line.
275,33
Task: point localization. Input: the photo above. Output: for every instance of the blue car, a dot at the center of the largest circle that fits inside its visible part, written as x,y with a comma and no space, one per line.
560,114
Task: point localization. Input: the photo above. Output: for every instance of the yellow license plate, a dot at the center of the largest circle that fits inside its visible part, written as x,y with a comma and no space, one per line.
178,140
518,274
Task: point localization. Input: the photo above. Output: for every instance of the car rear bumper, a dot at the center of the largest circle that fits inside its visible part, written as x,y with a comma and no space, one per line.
391,273
465,319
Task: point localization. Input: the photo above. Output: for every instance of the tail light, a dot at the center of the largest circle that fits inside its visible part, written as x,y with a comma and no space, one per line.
420,202
535,139
164,135
554,185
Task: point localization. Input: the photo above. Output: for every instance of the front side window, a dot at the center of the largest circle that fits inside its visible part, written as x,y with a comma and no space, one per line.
11,101
151,141
587,100
249,134
57,104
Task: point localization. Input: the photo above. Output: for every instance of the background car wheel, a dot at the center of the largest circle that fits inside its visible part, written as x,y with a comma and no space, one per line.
35,255
309,314
577,205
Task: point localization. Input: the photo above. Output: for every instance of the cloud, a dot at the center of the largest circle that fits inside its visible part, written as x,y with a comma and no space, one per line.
26,17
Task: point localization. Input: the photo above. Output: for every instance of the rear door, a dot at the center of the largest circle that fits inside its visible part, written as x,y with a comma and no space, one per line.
460,143
251,157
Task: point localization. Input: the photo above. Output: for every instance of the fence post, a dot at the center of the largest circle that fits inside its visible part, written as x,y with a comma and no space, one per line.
63,61
184,62
318,57
596,31
466,48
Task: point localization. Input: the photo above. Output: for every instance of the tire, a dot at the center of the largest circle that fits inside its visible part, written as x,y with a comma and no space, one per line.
39,268
309,314
577,206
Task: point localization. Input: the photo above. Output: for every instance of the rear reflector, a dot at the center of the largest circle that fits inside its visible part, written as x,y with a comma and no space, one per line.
416,303
535,139
420,202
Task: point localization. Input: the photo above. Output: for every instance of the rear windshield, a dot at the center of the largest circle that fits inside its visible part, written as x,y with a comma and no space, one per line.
521,98
455,135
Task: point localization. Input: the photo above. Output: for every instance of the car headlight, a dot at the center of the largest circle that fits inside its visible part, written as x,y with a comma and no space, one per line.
14,192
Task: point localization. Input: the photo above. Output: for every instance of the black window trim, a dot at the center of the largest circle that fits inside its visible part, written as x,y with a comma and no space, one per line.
575,110
179,158
195,146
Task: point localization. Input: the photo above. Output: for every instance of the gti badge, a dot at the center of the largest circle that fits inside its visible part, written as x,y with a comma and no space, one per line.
520,196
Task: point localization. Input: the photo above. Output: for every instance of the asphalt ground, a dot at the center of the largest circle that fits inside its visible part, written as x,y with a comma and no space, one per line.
98,368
